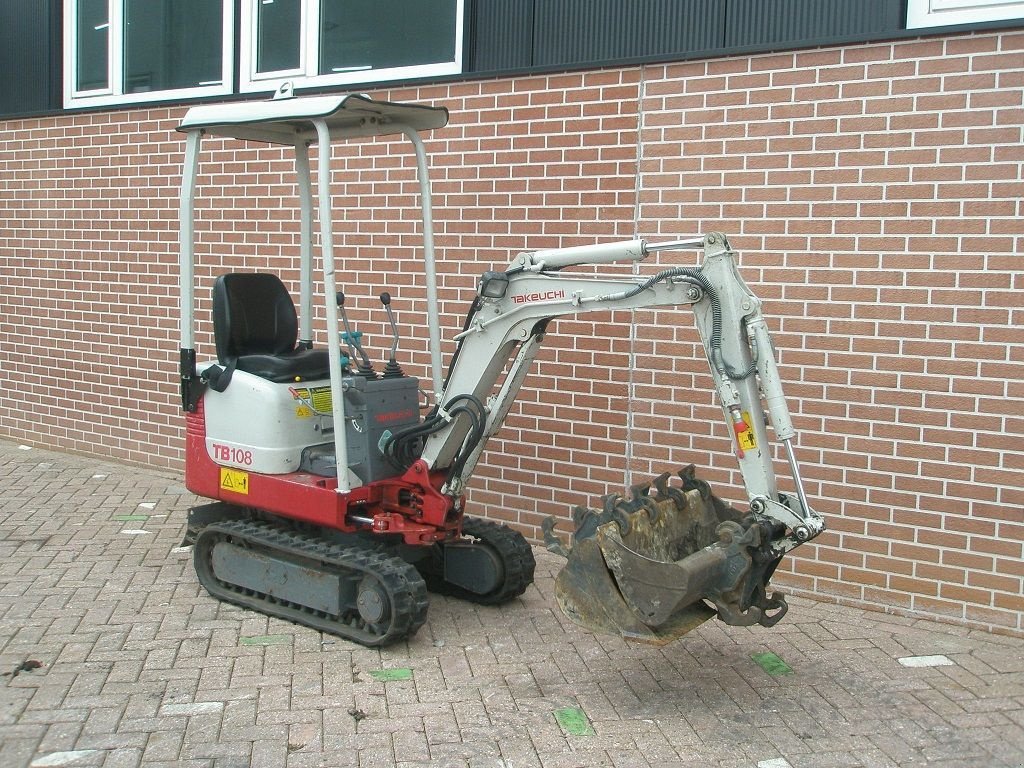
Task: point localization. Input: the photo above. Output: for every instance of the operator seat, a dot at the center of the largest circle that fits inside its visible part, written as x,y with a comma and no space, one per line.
255,329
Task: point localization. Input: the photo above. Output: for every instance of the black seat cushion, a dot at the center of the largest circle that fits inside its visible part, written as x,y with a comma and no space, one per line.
255,325
300,365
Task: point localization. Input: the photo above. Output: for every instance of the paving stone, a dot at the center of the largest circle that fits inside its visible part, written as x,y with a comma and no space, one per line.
141,668
123,758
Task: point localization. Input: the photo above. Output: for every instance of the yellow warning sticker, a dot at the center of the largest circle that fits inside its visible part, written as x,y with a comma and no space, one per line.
303,412
746,439
319,398
234,480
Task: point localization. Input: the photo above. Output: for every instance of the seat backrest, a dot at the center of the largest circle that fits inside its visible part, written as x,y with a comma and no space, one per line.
252,315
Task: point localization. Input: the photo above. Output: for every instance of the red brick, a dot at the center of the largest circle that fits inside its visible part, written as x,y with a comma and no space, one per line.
999,618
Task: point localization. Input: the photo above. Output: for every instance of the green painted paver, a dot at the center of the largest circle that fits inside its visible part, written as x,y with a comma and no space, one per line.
388,675
574,721
265,640
772,664
131,518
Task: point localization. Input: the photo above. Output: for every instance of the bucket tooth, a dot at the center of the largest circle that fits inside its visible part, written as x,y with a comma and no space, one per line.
580,514
668,491
688,475
623,519
613,509
586,521
661,486
552,542
642,501
639,491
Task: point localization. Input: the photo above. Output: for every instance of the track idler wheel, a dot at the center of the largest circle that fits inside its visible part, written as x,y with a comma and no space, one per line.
491,564
648,566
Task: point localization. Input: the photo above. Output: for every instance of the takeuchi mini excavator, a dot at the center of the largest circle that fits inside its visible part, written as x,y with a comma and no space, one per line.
337,499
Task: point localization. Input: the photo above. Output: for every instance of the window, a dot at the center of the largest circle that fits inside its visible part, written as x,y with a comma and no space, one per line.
336,42
93,46
278,31
123,51
938,13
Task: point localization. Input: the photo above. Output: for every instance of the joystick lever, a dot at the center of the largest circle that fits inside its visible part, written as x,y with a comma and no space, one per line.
392,369
351,338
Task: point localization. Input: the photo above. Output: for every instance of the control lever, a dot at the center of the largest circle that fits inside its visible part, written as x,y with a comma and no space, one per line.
392,370
351,338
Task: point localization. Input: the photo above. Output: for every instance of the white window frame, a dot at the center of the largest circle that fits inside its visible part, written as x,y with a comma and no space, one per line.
114,93
307,75
944,13
253,81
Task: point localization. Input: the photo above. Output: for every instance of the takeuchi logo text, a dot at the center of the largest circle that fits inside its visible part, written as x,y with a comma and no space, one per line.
529,298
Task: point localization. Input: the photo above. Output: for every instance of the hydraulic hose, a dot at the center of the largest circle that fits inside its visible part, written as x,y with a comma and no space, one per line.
695,277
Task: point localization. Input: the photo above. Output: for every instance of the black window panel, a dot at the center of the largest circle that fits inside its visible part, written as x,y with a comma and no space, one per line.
767,22
172,44
374,34
277,35
28,30
580,31
92,35
502,36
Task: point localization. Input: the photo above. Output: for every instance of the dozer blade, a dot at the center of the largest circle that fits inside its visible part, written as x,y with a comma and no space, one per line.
647,567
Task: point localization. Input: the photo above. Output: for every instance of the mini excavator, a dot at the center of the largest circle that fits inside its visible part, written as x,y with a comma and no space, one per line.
336,497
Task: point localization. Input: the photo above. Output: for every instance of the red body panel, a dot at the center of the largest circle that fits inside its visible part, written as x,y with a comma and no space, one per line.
410,505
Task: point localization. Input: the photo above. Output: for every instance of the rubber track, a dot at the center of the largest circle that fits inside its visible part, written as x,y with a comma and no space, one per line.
405,588
516,556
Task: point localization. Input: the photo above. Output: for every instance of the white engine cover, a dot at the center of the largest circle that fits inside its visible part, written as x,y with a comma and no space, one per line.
261,426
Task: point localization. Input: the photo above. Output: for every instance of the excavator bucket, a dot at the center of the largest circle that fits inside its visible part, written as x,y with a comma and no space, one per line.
657,565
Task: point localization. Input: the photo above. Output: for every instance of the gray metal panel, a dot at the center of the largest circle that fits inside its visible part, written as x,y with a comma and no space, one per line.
502,35
27,39
765,22
578,31
297,583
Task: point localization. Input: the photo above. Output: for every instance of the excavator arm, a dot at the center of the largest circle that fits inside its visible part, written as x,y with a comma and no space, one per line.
642,566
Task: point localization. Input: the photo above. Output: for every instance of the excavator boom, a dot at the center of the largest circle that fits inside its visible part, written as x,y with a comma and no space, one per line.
649,565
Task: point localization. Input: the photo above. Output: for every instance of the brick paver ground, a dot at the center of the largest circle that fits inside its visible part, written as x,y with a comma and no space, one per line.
138,666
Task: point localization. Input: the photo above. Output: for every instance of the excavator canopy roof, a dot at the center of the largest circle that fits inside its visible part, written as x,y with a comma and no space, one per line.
290,120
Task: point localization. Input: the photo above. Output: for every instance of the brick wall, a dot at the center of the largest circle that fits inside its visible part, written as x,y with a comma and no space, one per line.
873,193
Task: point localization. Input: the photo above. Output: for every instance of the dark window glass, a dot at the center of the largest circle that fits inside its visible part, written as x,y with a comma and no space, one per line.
93,45
374,34
278,28
172,44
